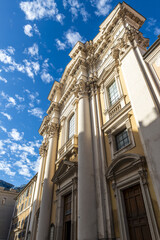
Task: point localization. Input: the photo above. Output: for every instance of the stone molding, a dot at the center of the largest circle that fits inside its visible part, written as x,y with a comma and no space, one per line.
44,125
52,129
54,106
43,148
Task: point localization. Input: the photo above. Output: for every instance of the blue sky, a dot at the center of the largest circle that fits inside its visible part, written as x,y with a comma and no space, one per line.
35,40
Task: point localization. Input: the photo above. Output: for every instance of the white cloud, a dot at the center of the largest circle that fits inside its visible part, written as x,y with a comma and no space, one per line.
5,58
31,68
150,23
33,50
71,38
151,26
36,67
16,135
1,144
28,30
21,99
157,31
75,7
6,167
23,169
35,29
38,9
60,45
11,50
11,100
46,77
4,130
37,112
25,148
103,6
6,115
3,79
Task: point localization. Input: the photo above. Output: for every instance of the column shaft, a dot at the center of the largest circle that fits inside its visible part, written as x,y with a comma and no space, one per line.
87,224
45,207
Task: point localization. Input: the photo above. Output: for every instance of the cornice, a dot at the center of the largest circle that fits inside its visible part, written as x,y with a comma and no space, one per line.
54,106
56,86
44,124
90,53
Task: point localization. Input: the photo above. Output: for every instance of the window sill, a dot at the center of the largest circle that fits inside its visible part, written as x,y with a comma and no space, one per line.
124,149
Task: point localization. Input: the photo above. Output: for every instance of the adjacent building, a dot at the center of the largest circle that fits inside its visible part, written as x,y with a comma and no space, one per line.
22,212
99,174
7,202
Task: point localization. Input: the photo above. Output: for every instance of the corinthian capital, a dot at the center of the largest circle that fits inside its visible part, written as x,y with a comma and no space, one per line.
80,88
43,149
53,129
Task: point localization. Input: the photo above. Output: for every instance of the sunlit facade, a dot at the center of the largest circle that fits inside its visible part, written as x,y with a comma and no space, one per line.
99,172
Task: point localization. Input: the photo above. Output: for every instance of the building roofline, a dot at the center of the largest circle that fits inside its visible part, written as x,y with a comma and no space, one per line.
35,176
152,48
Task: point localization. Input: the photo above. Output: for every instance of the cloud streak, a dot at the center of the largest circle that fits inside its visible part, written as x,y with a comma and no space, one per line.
39,9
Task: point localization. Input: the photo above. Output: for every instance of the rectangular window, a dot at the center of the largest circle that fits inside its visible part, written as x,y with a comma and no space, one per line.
25,205
71,126
122,139
30,190
29,201
113,93
22,207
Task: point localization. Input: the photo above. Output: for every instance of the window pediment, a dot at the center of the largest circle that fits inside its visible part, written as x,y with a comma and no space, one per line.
124,163
65,169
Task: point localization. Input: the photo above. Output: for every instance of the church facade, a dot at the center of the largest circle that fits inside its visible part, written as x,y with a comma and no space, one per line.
99,174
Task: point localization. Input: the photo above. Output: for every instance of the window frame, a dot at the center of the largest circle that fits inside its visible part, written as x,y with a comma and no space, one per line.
108,94
123,124
114,76
118,134
69,119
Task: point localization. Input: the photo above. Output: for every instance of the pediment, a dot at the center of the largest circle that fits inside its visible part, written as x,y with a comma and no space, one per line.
65,169
124,164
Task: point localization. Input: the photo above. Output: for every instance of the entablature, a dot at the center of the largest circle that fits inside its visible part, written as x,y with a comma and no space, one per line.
44,124
55,90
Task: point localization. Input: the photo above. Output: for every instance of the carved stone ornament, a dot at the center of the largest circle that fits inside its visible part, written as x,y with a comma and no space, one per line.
80,88
52,129
143,176
43,149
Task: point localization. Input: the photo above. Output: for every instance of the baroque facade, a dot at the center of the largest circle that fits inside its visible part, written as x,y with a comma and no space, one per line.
99,174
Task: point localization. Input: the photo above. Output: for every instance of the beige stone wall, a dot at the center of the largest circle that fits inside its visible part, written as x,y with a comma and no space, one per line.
137,149
22,212
7,202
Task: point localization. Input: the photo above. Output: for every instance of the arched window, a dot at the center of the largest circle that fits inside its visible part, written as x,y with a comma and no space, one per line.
71,125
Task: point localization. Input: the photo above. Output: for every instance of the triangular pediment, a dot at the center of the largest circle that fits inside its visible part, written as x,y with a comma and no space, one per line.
65,168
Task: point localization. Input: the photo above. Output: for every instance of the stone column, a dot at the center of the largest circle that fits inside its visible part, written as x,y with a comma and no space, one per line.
87,224
42,151
101,224
45,207
105,186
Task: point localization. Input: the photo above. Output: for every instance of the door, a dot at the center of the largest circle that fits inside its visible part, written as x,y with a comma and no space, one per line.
67,218
136,214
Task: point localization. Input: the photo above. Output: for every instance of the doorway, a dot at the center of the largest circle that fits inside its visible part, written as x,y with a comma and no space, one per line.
136,214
